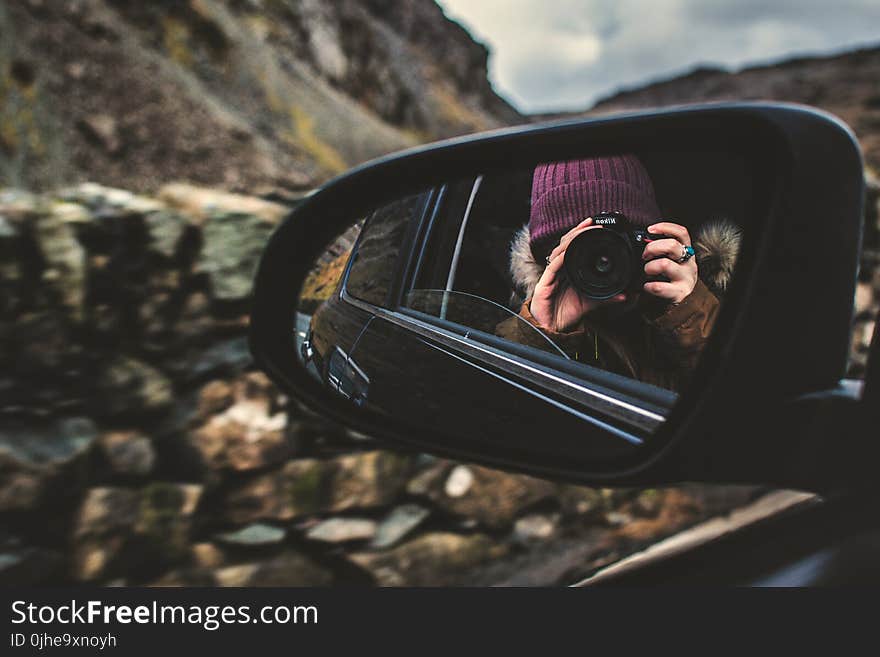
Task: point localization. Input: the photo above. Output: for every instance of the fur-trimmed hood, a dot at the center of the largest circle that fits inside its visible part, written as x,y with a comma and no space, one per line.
716,246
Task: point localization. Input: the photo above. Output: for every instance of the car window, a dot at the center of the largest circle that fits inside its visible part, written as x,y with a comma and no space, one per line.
376,255
493,238
476,317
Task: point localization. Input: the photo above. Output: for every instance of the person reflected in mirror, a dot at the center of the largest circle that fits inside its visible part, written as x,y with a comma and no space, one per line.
654,333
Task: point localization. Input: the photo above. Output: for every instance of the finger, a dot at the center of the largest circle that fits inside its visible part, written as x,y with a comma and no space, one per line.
676,231
662,289
666,248
666,267
551,272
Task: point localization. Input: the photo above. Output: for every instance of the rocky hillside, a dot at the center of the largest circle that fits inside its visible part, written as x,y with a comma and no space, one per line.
240,94
847,85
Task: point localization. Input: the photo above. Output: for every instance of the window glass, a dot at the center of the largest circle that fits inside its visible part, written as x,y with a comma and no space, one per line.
616,301
379,247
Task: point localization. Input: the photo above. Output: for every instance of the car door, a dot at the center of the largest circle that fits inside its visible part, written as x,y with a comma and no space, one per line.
431,324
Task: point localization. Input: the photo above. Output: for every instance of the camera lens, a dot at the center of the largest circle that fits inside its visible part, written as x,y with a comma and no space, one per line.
599,263
604,264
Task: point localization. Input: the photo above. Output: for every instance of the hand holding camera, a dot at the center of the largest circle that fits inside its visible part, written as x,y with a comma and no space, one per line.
606,260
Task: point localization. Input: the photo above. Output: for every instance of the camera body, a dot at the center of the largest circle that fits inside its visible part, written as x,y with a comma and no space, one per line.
604,263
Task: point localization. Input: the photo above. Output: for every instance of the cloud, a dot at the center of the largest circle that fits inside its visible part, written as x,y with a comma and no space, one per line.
566,54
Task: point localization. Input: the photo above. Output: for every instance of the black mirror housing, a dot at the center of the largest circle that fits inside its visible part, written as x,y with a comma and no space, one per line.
780,345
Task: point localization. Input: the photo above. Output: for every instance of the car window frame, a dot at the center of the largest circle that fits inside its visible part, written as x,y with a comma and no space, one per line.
629,408
403,263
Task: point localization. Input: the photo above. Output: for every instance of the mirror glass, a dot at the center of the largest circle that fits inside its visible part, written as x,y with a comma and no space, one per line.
589,286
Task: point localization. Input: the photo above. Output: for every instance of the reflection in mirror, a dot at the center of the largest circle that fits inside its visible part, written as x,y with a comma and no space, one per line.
573,279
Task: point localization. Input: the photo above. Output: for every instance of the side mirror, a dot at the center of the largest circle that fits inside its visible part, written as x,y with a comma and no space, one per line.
695,328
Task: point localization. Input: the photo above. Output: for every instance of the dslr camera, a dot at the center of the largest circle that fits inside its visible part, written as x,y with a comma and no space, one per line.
604,263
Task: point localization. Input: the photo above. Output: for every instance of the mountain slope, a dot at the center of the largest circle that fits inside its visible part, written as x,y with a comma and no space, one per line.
847,85
235,93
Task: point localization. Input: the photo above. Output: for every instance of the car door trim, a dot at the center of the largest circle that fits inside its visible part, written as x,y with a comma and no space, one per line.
633,416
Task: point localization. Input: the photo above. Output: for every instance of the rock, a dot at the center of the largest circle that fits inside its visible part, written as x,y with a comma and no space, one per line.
64,273
234,229
110,200
95,204
214,397
128,385
204,204
864,298
19,491
243,437
231,248
863,335
48,444
166,230
535,526
42,346
207,555
128,453
342,530
491,497
18,203
397,524
29,566
430,477
459,482
433,559
102,129
255,535
105,518
648,503
120,529
308,486
247,434
185,577
580,500
69,213
35,455
287,569
618,518
165,515
222,359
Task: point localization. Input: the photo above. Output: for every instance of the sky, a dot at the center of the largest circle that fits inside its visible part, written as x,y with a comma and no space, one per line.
549,55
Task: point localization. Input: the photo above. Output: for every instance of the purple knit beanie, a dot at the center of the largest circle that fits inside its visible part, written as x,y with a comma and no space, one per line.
566,193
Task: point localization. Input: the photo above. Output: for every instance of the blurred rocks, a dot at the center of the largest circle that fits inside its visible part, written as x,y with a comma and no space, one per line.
36,455
50,444
535,526
243,431
397,524
255,535
342,530
431,559
287,569
119,530
128,385
207,555
489,496
307,486
30,566
128,453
